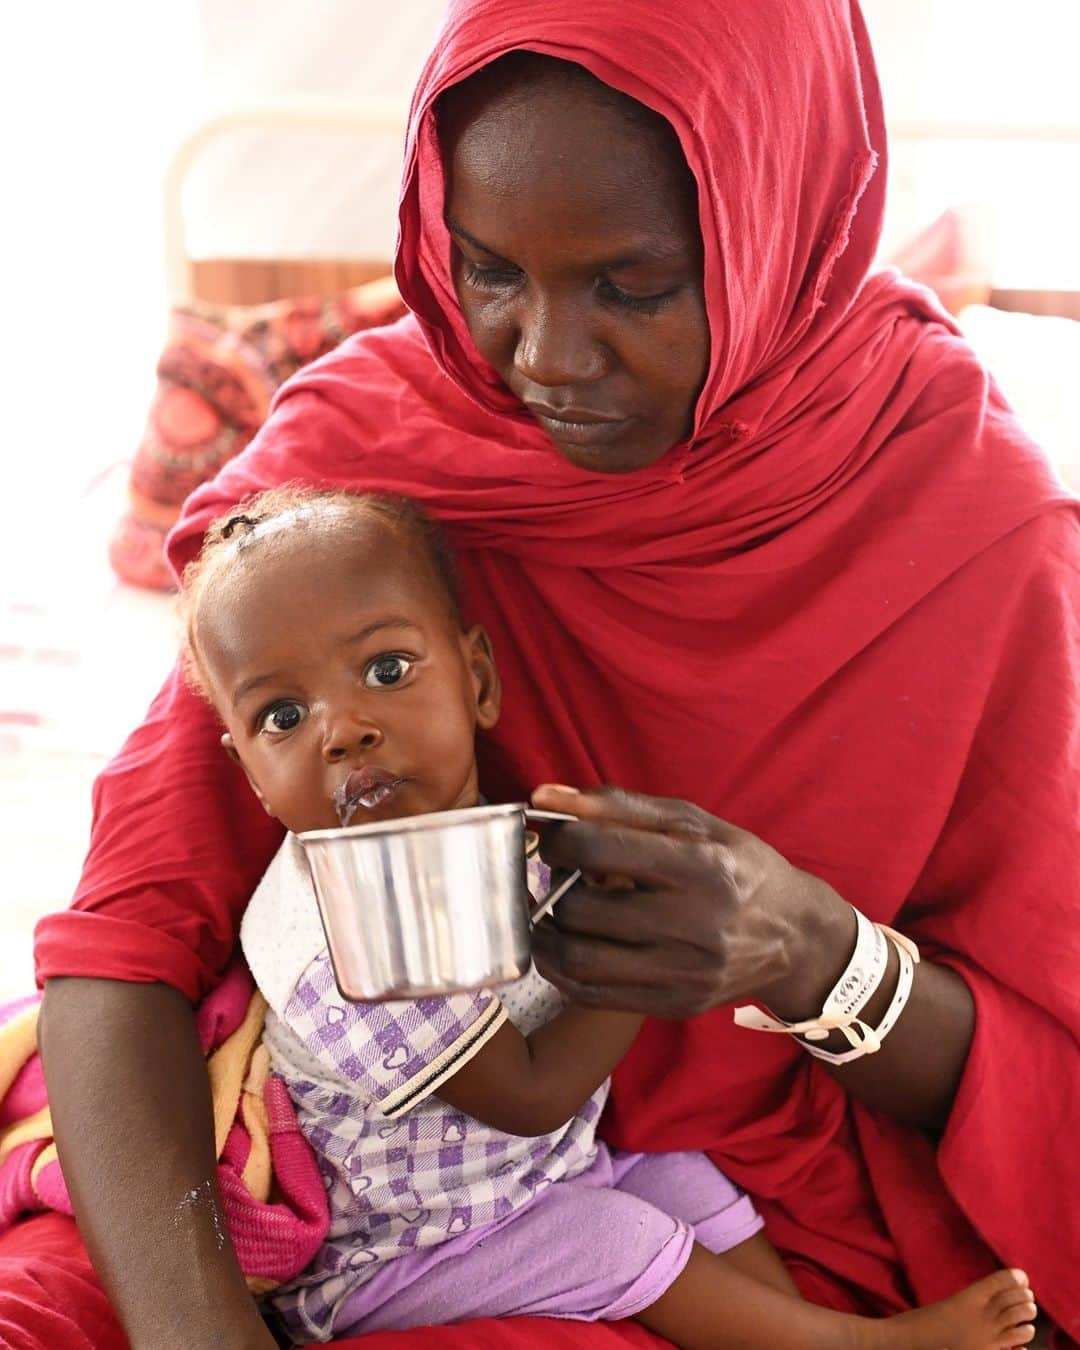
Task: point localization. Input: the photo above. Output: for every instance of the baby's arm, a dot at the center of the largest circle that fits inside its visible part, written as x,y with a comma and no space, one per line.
533,1084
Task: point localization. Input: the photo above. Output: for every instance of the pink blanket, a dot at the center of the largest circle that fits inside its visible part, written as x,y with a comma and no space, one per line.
274,1198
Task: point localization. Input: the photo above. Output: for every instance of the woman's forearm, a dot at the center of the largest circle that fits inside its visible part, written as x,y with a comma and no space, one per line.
915,1074
130,1103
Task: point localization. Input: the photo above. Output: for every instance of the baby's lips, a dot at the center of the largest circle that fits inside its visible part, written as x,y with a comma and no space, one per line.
359,788
362,781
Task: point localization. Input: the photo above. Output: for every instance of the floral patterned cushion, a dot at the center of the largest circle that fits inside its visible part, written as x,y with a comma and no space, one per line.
215,379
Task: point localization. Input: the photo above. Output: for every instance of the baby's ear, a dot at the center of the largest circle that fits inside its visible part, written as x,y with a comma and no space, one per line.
486,682
229,746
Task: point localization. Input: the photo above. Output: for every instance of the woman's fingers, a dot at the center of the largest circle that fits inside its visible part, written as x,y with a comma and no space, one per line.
631,918
644,979
588,961
695,908
658,860
615,806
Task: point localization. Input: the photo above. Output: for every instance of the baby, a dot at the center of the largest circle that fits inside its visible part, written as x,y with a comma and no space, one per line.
457,1135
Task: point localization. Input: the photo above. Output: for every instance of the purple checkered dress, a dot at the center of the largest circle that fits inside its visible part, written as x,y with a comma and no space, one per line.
403,1171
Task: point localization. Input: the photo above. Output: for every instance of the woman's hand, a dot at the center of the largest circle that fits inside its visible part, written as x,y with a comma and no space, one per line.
682,911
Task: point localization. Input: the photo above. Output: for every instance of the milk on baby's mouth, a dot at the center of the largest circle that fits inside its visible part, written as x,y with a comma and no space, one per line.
346,806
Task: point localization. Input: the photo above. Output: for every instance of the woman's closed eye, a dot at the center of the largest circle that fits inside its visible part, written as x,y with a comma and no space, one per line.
281,717
496,277
387,670
642,304
505,277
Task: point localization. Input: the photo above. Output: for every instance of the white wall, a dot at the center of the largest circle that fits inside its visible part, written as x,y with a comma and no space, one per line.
981,59
987,61
92,97
304,195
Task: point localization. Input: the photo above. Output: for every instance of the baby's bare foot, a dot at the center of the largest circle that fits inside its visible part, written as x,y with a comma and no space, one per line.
992,1314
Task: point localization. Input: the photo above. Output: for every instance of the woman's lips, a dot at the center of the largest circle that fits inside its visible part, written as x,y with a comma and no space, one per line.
572,426
368,788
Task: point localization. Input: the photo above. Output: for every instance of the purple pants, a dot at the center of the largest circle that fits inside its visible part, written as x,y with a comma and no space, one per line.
603,1245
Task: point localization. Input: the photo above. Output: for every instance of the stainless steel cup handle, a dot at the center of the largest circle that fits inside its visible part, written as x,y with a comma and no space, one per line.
548,903
553,897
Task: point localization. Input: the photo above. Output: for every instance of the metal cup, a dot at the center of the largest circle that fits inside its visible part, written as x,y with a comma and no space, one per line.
428,904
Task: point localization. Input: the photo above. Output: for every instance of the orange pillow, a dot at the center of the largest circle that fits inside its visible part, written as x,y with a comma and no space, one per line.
945,257
215,379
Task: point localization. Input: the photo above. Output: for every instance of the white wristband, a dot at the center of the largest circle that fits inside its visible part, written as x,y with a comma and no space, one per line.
856,986
872,1039
853,990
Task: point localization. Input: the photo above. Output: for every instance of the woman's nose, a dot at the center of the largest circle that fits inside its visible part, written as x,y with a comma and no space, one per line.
554,347
348,731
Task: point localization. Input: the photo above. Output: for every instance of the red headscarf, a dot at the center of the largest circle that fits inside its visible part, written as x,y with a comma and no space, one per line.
842,615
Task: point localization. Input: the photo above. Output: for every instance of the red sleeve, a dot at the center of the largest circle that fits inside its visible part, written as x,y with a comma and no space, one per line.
1001,905
177,845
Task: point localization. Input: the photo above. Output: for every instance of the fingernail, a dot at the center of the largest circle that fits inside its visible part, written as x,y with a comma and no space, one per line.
559,787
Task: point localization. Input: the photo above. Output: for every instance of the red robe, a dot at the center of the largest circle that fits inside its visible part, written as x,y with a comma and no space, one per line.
842,614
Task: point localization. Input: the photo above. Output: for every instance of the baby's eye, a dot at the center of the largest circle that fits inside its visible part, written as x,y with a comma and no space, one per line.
281,717
385,671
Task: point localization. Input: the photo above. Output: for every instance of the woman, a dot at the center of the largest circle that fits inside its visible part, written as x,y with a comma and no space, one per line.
747,529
